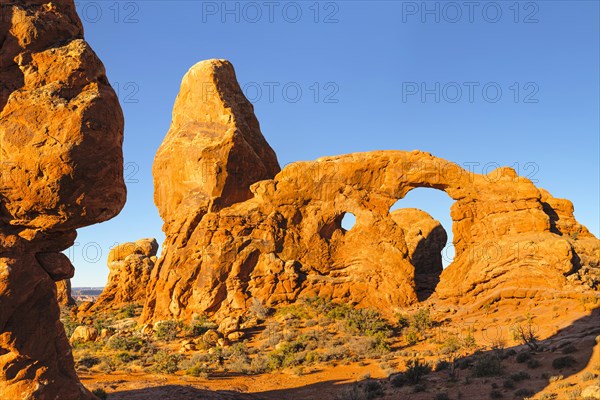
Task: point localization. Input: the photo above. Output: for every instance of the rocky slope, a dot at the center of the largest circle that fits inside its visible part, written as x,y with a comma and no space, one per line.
226,247
61,131
130,267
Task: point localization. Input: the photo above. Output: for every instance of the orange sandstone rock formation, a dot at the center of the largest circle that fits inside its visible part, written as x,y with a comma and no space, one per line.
63,293
278,236
61,132
130,267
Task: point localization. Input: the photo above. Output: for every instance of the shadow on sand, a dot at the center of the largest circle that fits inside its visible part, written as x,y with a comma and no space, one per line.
581,333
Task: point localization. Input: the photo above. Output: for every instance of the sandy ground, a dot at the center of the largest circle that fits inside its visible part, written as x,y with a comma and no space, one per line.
558,323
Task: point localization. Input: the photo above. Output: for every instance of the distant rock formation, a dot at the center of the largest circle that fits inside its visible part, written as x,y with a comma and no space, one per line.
63,293
237,230
61,132
130,267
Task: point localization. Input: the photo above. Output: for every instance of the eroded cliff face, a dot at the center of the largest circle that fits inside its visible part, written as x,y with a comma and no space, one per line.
61,131
63,293
285,239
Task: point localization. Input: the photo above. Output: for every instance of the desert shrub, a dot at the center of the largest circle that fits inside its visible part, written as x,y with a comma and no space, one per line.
442,396
367,322
508,384
197,365
563,362
487,365
412,336
523,357
129,311
106,365
421,320
100,393
442,365
533,363
588,376
335,353
288,355
198,370
259,310
418,388
100,323
69,324
574,394
199,326
520,376
166,363
496,394
555,378
373,389
296,311
123,343
398,380
416,370
167,330
569,349
525,334
239,360
402,321
125,357
524,392
359,391
88,361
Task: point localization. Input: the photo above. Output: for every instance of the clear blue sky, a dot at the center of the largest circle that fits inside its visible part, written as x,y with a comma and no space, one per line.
361,67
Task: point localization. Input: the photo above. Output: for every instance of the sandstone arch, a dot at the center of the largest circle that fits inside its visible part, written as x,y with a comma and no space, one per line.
282,241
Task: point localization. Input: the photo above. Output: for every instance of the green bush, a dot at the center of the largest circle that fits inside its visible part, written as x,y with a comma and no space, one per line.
134,343
487,365
100,393
421,320
520,376
197,366
398,380
563,362
524,393
88,361
416,370
522,357
166,363
412,336
373,389
167,330
69,324
199,326
129,311
125,357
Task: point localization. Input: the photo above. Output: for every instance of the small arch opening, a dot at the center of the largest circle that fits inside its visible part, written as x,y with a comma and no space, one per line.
342,222
348,221
424,215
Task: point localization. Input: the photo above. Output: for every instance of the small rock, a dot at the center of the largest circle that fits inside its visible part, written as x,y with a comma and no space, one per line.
229,324
84,334
591,392
235,336
211,337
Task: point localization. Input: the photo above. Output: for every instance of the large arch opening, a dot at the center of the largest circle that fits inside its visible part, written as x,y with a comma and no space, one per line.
424,215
